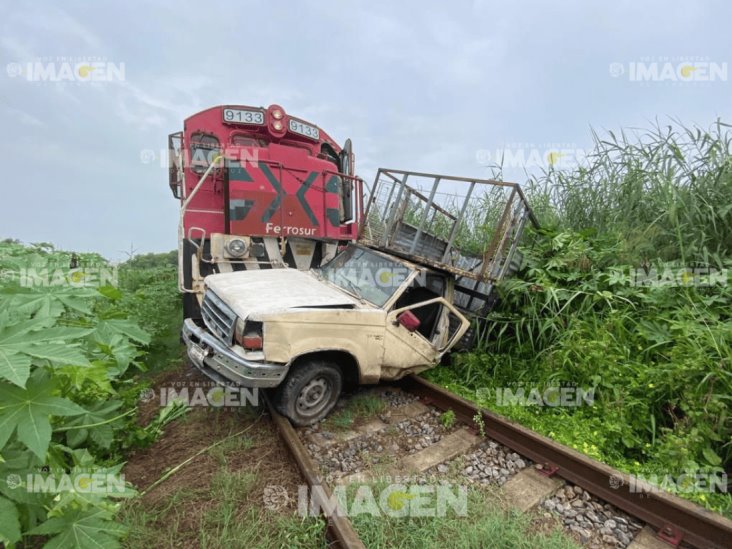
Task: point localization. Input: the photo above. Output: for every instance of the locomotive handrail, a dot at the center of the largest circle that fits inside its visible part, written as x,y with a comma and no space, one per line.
181,228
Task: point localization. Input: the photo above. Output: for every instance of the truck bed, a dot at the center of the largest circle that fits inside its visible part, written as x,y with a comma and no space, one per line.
468,227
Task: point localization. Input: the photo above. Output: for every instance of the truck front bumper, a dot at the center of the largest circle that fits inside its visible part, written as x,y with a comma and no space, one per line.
223,365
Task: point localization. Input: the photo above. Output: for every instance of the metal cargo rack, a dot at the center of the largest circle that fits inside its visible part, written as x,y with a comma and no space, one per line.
468,227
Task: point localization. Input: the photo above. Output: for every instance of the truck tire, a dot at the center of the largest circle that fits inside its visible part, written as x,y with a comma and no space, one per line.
309,392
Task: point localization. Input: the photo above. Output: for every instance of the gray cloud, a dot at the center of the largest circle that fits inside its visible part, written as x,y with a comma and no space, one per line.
416,85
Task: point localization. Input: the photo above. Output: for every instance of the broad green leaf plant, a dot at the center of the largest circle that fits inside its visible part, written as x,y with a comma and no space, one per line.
64,351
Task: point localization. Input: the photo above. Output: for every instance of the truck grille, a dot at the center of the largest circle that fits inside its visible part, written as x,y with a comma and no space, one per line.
219,317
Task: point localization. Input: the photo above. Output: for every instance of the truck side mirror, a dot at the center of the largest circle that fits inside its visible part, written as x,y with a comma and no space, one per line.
409,320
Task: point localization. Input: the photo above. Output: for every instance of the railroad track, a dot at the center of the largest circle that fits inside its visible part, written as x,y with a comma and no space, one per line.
600,506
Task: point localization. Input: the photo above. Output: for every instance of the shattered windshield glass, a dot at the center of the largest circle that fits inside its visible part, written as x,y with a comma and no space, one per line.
365,274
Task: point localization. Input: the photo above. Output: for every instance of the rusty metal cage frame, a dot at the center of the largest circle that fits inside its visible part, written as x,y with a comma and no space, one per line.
385,227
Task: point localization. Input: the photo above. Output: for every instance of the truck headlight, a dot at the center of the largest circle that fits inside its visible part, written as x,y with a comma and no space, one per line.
248,334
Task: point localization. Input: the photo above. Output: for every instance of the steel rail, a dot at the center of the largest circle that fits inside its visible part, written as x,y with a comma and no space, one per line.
339,528
668,513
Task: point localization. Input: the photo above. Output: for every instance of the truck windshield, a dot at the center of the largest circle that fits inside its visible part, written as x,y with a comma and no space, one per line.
365,274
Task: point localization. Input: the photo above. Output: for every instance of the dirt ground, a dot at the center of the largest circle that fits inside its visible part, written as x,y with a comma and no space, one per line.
258,453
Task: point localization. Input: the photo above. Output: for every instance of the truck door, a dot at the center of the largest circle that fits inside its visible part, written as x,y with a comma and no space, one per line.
420,333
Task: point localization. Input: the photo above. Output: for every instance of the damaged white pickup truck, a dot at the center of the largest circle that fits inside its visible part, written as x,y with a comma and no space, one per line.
361,318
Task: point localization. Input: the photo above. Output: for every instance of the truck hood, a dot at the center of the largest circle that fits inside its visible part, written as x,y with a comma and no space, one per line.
252,294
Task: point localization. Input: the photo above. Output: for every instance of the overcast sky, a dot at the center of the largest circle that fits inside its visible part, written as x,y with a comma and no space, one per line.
428,86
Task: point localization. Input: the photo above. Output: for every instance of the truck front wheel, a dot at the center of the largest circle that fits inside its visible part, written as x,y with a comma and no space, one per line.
309,392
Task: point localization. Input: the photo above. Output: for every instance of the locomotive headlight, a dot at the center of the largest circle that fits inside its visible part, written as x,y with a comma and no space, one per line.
277,114
236,247
277,125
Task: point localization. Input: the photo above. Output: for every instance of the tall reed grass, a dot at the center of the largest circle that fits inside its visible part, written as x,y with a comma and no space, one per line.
659,358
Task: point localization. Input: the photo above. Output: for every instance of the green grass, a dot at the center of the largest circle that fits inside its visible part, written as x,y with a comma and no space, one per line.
358,407
341,420
235,519
150,295
664,192
366,405
447,419
225,524
232,445
222,527
487,524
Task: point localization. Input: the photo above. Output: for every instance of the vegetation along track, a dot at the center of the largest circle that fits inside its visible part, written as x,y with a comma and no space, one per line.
420,431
